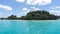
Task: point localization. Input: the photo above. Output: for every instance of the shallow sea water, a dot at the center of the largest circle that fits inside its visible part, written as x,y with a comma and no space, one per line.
29,26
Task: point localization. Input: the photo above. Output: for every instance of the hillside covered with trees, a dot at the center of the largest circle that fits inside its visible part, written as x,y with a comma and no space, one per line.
35,15
39,15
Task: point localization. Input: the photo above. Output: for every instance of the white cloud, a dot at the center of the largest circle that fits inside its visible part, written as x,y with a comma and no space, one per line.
55,7
34,8
20,0
25,10
55,12
38,2
5,7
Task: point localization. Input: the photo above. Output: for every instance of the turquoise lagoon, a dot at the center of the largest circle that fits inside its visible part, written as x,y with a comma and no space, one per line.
29,26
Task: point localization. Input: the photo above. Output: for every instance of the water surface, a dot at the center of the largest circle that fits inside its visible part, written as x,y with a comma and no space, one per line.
29,26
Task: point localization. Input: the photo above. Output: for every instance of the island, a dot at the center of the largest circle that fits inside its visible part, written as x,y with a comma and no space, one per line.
34,15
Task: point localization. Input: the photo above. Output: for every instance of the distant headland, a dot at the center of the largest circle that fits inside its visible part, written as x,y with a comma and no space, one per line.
34,15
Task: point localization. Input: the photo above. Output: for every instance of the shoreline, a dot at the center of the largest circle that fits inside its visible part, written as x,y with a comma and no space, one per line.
28,19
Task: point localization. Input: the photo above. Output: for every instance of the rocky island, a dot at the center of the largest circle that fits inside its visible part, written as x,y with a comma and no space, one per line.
34,15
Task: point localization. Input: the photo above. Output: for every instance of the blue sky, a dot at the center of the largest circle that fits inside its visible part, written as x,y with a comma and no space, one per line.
22,7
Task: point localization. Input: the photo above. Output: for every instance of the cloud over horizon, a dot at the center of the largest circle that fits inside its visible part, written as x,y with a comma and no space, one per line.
55,12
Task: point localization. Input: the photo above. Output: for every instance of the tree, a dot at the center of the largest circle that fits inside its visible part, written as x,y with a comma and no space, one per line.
12,17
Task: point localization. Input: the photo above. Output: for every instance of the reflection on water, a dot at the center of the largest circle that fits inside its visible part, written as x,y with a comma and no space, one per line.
30,27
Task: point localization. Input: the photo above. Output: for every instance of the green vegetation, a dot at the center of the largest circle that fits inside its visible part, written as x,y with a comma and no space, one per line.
39,15
12,17
35,15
